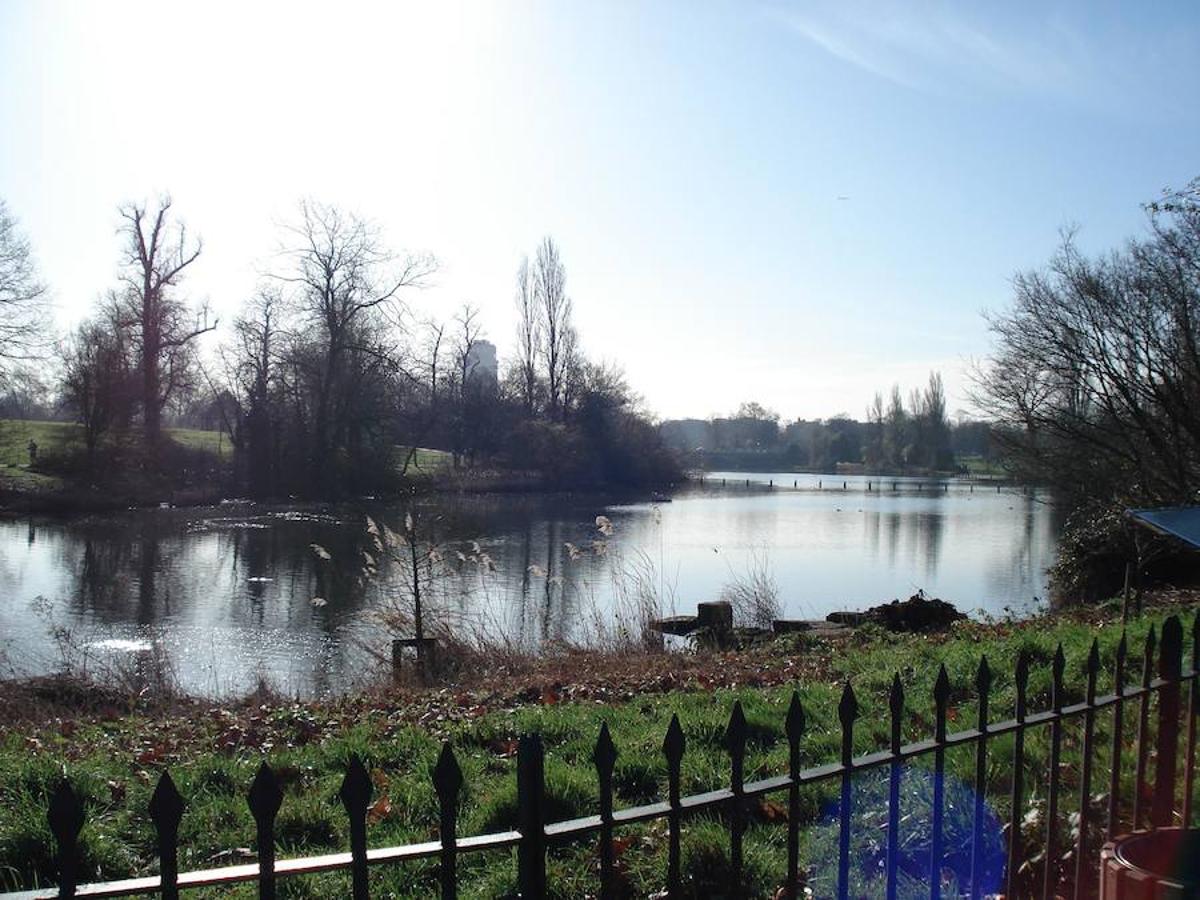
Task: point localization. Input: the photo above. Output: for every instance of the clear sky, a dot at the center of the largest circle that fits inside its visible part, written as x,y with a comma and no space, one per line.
796,204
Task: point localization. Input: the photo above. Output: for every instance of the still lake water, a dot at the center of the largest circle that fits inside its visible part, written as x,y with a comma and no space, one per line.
225,594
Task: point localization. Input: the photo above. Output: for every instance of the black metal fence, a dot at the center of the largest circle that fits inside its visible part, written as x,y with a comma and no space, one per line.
1153,802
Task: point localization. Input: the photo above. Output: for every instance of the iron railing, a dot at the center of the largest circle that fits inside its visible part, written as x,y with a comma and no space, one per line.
1152,805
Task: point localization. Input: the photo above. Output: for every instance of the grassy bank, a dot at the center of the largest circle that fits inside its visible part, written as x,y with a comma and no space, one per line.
29,489
212,752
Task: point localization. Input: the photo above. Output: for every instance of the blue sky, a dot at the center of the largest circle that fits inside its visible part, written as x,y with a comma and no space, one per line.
689,158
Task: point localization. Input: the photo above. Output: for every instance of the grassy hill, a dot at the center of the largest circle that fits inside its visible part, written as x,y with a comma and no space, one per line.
62,439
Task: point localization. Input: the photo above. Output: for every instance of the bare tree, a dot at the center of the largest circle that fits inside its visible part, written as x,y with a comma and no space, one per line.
253,371
557,333
23,297
468,385
467,335
528,334
348,290
1098,365
163,326
98,382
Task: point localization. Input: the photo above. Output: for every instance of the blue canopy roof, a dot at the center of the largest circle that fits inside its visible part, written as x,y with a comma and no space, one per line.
1182,522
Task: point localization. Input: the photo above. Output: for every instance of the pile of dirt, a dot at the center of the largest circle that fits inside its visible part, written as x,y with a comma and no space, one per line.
919,613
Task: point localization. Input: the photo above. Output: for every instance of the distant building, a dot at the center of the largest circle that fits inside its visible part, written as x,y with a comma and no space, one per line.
686,434
482,361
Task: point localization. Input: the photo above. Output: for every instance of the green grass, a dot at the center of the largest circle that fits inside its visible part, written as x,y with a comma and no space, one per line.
61,438
980,467
214,442
213,755
51,437
425,461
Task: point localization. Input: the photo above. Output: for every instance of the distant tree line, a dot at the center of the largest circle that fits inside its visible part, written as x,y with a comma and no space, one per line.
325,384
894,437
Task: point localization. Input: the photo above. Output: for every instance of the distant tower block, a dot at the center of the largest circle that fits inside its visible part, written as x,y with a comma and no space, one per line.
481,361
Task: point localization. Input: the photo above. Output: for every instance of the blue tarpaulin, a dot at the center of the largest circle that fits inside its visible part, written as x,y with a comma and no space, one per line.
1182,522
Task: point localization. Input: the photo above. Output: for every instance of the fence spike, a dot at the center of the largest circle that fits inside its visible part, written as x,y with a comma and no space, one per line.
673,743
355,794
983,685
447,774
1193,709
735,743
66,816
983,677
1083,868
166,811
448,782
1170,669
847,713
265,798
1118,739
1143,734
794,728
941,699
531,798
896,705
604,756
673,746
1022,684
1058,667
794,725
1092,668
1017,804
356,790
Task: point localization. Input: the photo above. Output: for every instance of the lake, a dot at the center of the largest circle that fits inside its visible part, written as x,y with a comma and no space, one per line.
227,594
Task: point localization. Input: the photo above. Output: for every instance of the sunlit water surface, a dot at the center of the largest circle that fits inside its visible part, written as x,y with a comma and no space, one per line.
227,594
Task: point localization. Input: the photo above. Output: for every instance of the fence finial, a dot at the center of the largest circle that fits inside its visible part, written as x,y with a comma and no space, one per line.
448,781
356,790
264,799
847,713
735,732
794,725
447,774
941,699
355,794
1021,681
1171,653
166,810
604,756
673,743
896,706
66,816
983,676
